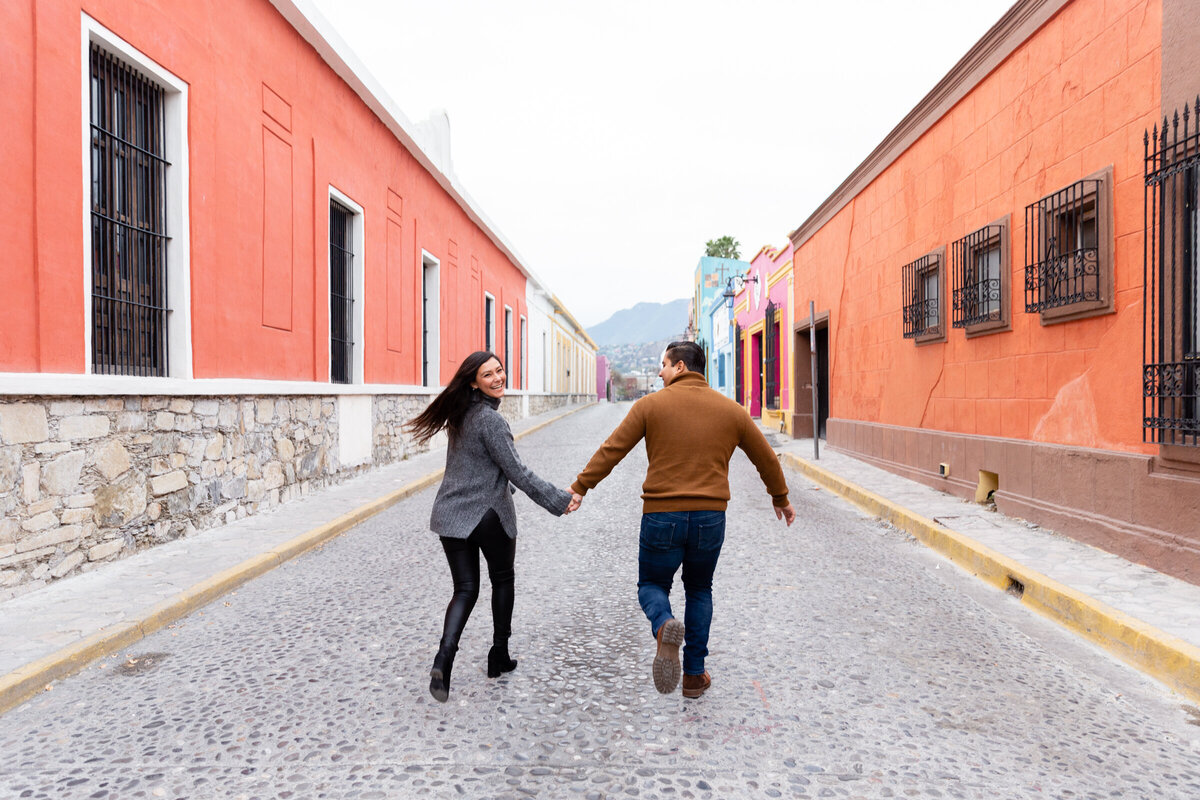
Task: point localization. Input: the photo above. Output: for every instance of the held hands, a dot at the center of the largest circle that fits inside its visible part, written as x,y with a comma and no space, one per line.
786,513
576,500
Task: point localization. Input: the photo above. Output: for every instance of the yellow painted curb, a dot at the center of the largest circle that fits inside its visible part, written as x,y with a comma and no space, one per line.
1164,657
19,685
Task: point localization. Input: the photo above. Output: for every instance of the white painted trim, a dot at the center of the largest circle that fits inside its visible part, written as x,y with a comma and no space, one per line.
37,384
431,266
175,120
358,226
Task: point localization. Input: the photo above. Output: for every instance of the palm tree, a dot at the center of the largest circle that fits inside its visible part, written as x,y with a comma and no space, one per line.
725,247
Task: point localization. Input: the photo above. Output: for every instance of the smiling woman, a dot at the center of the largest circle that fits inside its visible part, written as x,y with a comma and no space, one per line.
473,512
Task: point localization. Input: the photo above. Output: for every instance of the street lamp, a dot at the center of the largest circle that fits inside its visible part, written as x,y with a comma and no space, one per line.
730,293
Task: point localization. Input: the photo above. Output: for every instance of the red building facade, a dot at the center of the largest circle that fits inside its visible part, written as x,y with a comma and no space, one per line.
234,269
260,137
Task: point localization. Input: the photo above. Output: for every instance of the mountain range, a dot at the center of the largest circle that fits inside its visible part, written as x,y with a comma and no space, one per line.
644,322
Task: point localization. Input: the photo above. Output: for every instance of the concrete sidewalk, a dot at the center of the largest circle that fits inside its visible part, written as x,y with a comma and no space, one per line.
52,632
1147,619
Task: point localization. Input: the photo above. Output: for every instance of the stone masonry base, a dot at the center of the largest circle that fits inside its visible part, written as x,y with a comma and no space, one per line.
84,480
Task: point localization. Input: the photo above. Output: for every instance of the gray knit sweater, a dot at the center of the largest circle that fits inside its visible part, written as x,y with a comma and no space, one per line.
480,463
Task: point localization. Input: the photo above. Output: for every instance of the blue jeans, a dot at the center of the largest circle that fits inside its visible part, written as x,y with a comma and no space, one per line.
691,539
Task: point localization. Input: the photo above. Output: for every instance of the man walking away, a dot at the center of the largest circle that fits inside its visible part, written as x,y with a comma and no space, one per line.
691,431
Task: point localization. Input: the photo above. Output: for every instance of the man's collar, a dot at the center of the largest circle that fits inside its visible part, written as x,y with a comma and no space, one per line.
686,376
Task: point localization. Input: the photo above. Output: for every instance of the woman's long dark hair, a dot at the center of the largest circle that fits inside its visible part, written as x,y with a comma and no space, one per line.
448,408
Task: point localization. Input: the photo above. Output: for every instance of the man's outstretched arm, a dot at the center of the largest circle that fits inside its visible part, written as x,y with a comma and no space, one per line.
755,445
618,444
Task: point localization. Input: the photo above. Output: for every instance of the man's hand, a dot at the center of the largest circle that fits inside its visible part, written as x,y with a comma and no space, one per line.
786,513
576,500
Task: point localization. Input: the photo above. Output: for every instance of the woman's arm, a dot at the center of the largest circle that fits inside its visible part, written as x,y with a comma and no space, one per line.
498,441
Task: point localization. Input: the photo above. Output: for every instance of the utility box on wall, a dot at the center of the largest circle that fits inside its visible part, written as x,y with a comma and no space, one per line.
354,429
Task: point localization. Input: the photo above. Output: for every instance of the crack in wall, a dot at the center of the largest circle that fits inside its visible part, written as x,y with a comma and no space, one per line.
831,347
929,397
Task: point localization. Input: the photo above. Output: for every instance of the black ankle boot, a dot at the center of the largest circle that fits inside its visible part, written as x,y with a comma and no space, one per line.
439,676
499,661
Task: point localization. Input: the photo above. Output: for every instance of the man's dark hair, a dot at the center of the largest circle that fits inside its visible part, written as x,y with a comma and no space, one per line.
690,353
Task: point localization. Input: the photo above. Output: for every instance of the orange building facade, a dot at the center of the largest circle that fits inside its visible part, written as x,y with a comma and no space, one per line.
1002,287
233,270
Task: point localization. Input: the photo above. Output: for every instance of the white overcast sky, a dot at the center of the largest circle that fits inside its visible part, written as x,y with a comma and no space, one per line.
608,141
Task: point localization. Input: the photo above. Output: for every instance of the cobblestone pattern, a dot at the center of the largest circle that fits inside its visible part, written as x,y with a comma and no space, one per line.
847,662
92,479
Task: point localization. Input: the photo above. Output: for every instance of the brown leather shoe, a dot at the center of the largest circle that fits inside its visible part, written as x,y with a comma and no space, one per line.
666,660
696,685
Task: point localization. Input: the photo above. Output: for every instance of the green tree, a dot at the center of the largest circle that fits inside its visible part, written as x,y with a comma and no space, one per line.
725,247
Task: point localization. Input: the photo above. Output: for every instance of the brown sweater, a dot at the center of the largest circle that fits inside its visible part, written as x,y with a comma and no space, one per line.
690,431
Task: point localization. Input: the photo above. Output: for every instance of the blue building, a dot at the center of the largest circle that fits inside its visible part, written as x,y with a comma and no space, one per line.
711,277
720,351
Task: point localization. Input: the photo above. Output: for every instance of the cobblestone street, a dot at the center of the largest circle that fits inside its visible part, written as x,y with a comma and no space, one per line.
847,661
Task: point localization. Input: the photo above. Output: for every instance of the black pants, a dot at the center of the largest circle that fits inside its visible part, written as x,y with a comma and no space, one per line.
500,550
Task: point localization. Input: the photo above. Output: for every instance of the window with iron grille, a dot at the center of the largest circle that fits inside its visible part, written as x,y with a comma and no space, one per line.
771,356
128,219
739,370
980,274
924,309
1068,251
341,293
1171,286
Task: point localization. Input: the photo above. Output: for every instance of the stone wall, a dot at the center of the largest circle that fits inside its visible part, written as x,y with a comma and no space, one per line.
85,480
541,403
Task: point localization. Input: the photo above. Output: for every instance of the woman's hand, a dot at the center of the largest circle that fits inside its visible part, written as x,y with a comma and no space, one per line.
576,500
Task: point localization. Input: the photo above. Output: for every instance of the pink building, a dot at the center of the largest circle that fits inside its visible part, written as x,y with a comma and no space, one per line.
761,337
602,388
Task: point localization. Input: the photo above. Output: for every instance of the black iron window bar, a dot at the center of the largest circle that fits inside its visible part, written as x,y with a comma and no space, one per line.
771,356
739,372
1062,254
976,266
489,312
1171,285
129,220
341,293
507,347
921,286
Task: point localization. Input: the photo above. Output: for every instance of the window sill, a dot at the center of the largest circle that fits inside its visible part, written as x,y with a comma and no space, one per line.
1178,459
1075,311
932,337
988,328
